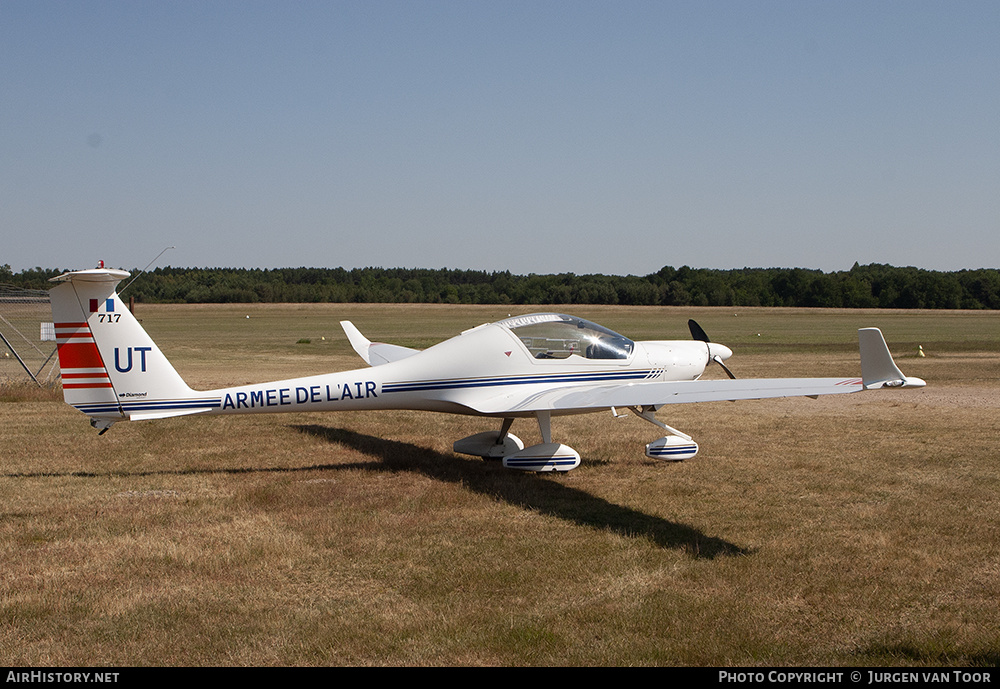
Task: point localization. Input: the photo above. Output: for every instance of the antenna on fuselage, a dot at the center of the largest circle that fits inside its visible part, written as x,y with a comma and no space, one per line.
143,270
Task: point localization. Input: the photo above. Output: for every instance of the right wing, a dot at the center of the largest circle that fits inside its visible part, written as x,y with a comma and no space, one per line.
374,353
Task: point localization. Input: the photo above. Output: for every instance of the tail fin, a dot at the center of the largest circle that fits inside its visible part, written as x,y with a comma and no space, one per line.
110,367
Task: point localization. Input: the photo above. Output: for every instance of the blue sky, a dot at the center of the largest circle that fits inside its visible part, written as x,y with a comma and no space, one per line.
545,137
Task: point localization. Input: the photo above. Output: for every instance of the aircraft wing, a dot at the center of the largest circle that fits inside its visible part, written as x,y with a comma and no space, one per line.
374,353
598,396
878,370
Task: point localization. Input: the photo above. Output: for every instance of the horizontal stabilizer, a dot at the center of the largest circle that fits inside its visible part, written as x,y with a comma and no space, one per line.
96,275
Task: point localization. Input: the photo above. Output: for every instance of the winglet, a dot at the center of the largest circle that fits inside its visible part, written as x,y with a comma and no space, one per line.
878,370
358,341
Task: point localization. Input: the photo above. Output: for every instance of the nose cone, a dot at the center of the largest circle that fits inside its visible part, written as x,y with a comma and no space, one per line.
717,350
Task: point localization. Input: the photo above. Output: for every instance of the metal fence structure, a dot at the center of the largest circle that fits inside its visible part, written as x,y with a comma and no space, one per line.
27,338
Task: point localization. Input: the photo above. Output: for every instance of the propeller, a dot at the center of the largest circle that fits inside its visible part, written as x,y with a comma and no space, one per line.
718,353
697,332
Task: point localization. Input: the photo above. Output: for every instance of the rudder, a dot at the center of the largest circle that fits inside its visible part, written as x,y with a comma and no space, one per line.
111,368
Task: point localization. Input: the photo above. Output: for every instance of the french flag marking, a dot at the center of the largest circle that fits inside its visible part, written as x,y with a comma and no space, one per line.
109,305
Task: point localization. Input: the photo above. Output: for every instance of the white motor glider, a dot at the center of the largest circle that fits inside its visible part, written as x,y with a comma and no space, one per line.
538,365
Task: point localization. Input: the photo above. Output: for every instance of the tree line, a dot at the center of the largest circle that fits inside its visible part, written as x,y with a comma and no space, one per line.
868,286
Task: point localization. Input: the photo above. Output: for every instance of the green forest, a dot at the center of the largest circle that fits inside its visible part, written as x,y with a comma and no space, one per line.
867,286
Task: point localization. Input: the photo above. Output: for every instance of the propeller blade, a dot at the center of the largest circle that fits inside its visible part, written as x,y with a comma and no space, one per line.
697,332
725,368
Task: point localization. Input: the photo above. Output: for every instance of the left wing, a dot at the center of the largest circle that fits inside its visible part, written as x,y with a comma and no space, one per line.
878,370
598,396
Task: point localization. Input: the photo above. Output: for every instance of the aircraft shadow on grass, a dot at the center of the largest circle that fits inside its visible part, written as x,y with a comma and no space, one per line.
529,491
526,490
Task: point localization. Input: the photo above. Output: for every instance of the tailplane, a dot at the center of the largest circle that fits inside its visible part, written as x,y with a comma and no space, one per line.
111,369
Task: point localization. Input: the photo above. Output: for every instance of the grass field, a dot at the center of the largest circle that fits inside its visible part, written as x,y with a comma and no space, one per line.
851,530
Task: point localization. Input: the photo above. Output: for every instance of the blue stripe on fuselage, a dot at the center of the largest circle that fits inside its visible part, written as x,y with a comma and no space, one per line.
462,383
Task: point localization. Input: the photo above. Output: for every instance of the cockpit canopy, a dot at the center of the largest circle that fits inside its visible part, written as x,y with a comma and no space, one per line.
558,336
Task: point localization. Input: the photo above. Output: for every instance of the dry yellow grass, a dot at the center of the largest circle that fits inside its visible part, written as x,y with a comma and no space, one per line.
857,530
